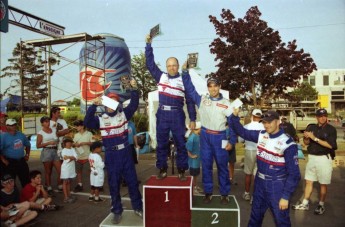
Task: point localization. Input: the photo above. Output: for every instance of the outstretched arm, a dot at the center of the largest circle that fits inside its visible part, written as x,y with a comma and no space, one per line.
134,103
191,93
236,126
90,120
150,60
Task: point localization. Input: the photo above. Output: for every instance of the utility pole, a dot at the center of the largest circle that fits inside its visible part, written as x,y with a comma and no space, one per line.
21,72
49,74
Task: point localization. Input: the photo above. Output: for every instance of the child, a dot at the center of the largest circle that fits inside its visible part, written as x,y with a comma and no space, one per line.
97,172
34,192
10,195
69,156
193,148
82,141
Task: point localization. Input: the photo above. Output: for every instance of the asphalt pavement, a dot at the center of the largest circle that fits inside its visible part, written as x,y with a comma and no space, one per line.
84,213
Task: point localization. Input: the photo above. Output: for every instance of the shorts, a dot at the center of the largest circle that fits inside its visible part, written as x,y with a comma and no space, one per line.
49,155
95,188
40,200
319,168
79,165
194,172
232,156
250,162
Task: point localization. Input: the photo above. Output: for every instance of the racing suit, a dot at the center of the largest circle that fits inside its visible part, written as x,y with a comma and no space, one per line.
214,113
170,115
278,173
118,155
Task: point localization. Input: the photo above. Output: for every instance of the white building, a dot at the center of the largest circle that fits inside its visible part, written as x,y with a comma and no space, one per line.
330,83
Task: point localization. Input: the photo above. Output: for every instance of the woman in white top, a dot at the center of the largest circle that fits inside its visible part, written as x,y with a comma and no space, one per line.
47,139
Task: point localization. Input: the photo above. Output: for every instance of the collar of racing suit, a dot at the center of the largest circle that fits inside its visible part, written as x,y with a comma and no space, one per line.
173,77
272,136
216,99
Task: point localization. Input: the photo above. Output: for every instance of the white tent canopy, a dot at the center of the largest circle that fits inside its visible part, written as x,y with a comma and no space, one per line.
200,86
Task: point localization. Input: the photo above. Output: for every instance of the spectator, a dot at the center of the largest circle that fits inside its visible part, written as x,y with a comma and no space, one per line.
82,141
60,126
10,196
278,173
250,153
288,127
17,215
118,159
34,191
193,149
12,145
48,140
97,171
170,114
68,168
322,143
3,129
3,117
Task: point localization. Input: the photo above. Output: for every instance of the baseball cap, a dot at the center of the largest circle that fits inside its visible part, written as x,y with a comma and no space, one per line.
44,118
321,112
6,177
257,113
3,114
213,80
113,95
269,116
11,121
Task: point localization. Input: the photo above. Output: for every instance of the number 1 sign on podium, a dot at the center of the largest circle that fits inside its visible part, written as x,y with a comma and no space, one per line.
168,202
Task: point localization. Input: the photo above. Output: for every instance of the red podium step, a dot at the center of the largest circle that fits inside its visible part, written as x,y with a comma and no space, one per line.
167,202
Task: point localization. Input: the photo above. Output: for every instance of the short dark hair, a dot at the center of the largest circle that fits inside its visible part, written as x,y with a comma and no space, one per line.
44,118
54,109
34,173
78,122
95,145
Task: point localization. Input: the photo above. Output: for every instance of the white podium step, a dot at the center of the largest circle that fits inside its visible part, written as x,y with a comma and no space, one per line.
128,219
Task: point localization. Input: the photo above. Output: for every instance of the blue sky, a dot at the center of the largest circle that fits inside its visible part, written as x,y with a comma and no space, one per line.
317,25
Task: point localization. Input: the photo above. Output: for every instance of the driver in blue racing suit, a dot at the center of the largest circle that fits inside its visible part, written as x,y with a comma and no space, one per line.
214,111
278,173
170,114
113,125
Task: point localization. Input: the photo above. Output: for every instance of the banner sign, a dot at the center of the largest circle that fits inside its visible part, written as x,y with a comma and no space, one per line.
4,15
51,29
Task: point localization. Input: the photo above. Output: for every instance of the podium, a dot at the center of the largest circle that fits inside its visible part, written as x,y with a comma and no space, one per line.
167,202
129,219
215,213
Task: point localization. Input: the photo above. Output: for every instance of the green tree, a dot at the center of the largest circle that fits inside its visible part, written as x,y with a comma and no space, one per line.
252,60
305,92
75,101
30,79
145,81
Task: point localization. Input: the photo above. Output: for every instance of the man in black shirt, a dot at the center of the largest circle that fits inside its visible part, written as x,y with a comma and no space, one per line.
321,139
288,127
